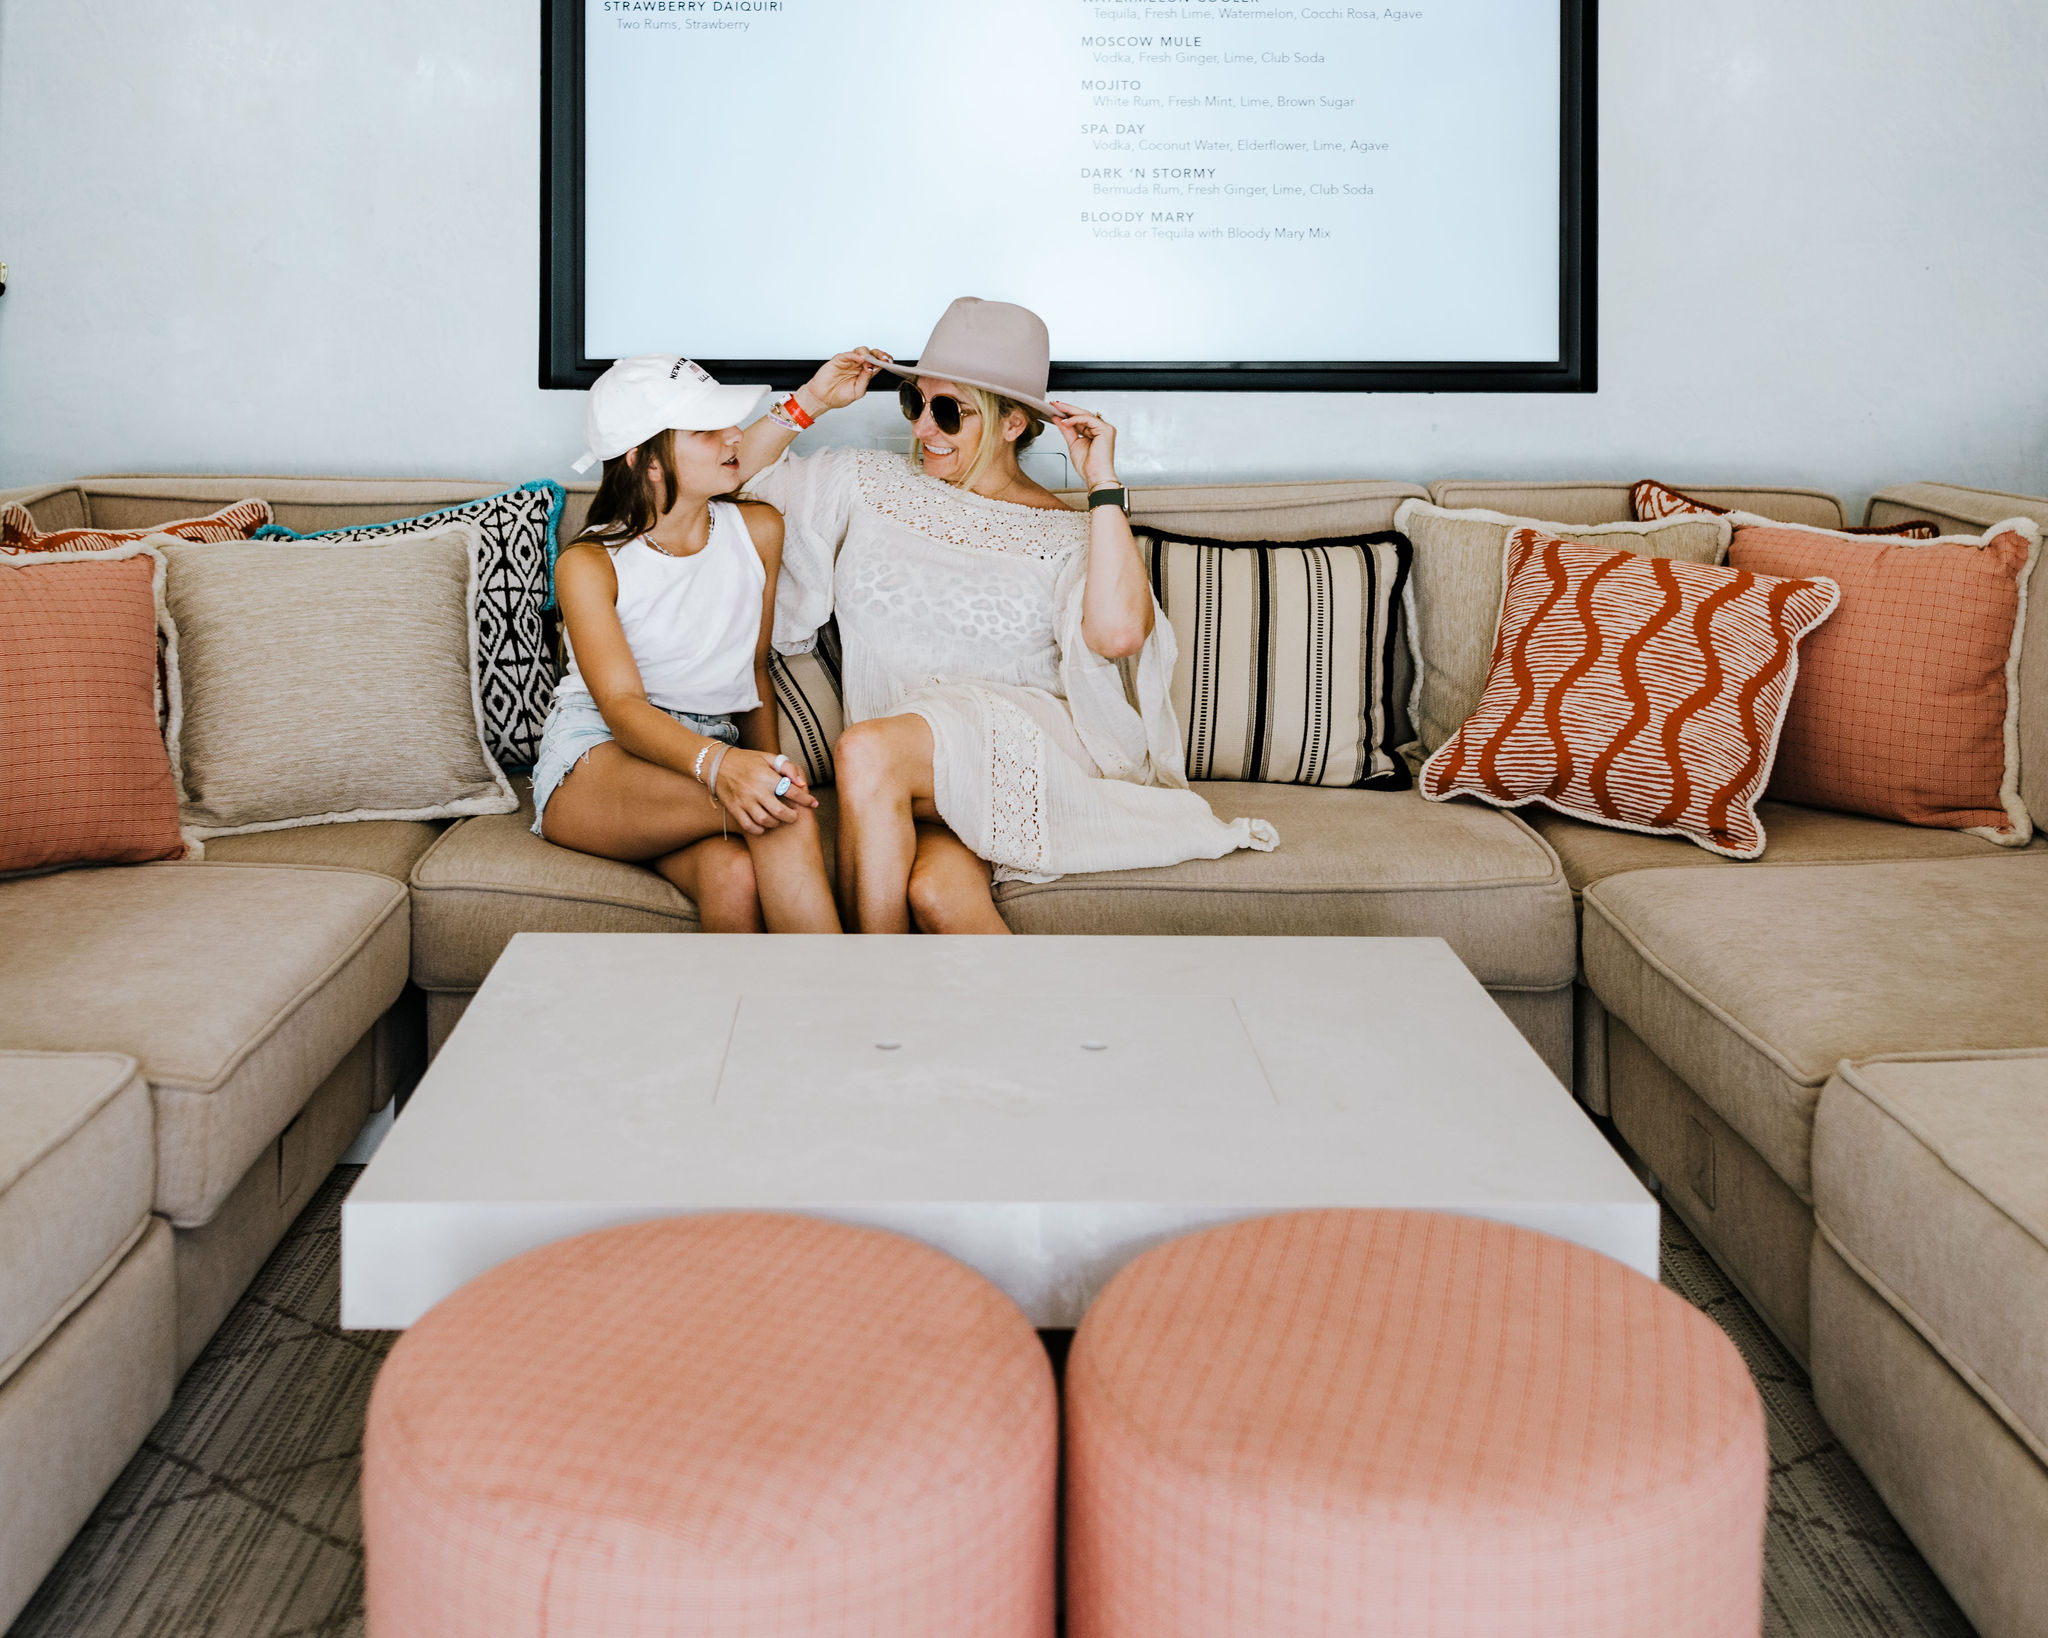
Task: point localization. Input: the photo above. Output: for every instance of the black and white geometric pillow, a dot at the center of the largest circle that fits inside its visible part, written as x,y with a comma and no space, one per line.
515,569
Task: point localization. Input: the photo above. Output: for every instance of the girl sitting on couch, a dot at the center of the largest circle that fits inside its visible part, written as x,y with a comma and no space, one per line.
660,747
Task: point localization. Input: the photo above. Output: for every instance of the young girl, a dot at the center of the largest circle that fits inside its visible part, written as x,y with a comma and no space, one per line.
660,748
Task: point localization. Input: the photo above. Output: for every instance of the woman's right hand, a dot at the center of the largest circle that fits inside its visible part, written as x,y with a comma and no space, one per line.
746,789
840,381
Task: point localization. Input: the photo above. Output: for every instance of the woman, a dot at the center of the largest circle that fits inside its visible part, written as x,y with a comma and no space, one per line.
660,747
981,621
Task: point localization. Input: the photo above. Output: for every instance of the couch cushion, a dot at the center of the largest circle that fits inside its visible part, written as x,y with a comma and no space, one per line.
137,501
237,988
489,878
1268,511
1798,836
77,1170
384,847
1931,1180
52,505
1752,985
1455,587
1350,863
1599,501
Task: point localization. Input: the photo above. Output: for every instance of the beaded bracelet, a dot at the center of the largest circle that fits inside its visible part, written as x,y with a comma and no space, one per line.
697,767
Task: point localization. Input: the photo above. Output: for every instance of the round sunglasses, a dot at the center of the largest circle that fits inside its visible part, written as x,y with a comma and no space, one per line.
947,412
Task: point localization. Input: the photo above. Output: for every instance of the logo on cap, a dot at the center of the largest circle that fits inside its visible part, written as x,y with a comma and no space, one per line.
683,364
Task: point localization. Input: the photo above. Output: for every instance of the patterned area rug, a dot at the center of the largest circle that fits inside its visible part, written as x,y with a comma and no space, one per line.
238,1518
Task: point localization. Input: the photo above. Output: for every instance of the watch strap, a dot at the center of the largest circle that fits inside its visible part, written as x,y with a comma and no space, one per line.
1109,497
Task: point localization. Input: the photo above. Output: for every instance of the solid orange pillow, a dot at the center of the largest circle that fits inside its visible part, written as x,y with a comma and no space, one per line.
18,532
84,776
1909,699
1637,692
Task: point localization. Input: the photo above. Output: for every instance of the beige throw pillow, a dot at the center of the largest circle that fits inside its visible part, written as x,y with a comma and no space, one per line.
1455,586
328,680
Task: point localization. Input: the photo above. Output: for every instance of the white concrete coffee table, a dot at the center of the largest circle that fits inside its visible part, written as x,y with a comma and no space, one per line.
1042,1108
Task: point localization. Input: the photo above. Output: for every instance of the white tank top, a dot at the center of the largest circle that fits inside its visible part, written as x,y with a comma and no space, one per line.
692,622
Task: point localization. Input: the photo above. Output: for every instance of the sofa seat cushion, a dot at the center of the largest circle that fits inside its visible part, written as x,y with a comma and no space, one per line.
384,847
1752,985
1931,1180
77,1170
1797,836
1350,863
237,988
490,877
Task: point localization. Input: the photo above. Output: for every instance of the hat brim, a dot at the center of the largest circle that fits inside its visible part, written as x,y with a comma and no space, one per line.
723,406
912,370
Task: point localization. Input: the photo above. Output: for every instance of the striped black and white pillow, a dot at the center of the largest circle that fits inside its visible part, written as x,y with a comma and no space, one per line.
1287,654
808,712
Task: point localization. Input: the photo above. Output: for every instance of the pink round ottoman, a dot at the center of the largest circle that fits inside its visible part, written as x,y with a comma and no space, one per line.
1405,1424
737,1424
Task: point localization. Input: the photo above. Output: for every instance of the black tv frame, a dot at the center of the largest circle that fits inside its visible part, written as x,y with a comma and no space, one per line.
562,364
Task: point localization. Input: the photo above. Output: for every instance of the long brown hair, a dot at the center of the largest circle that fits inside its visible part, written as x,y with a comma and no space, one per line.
630,500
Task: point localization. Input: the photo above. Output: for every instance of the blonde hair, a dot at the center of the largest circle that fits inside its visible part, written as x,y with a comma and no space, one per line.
995,412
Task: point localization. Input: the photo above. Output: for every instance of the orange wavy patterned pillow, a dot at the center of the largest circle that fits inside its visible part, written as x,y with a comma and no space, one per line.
1637,692
18,532
86,776
1653,500
1908,703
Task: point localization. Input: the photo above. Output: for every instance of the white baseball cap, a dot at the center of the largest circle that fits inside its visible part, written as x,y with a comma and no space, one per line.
638,397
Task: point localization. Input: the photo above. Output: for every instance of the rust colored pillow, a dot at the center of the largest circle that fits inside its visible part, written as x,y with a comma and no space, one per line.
1653,500
84,776
1908,703
1641,693
240,521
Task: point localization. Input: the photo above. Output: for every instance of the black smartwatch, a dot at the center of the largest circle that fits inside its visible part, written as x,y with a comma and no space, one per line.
1109,497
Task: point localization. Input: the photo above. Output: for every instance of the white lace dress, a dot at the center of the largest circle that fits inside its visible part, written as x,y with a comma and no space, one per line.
966,611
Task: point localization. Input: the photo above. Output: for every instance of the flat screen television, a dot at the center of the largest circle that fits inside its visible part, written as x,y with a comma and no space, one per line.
1195,194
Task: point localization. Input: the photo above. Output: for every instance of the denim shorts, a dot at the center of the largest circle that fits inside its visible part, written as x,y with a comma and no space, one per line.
575,725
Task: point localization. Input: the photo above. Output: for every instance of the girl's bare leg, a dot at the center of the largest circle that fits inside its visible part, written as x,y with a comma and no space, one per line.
617,806
949,886
717,874
789,869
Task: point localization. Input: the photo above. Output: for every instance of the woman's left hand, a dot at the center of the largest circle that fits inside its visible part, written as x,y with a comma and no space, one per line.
1091,442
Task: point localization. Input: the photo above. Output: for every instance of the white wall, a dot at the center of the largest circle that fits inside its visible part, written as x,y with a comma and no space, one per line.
287,236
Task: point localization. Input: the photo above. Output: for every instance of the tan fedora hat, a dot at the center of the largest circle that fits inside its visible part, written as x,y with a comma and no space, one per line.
993,344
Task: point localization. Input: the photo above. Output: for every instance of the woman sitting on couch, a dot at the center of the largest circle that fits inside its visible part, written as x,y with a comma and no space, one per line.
981,621
661,741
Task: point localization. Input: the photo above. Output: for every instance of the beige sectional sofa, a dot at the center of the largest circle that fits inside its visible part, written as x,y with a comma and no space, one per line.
186,1049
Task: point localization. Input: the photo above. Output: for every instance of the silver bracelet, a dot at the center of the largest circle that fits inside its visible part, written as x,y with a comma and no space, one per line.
697,768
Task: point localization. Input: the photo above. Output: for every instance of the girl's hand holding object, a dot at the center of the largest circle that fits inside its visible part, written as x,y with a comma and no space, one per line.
754,788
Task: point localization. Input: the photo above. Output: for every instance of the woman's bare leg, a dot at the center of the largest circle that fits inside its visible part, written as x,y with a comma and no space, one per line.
884,771
949,886
617,806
